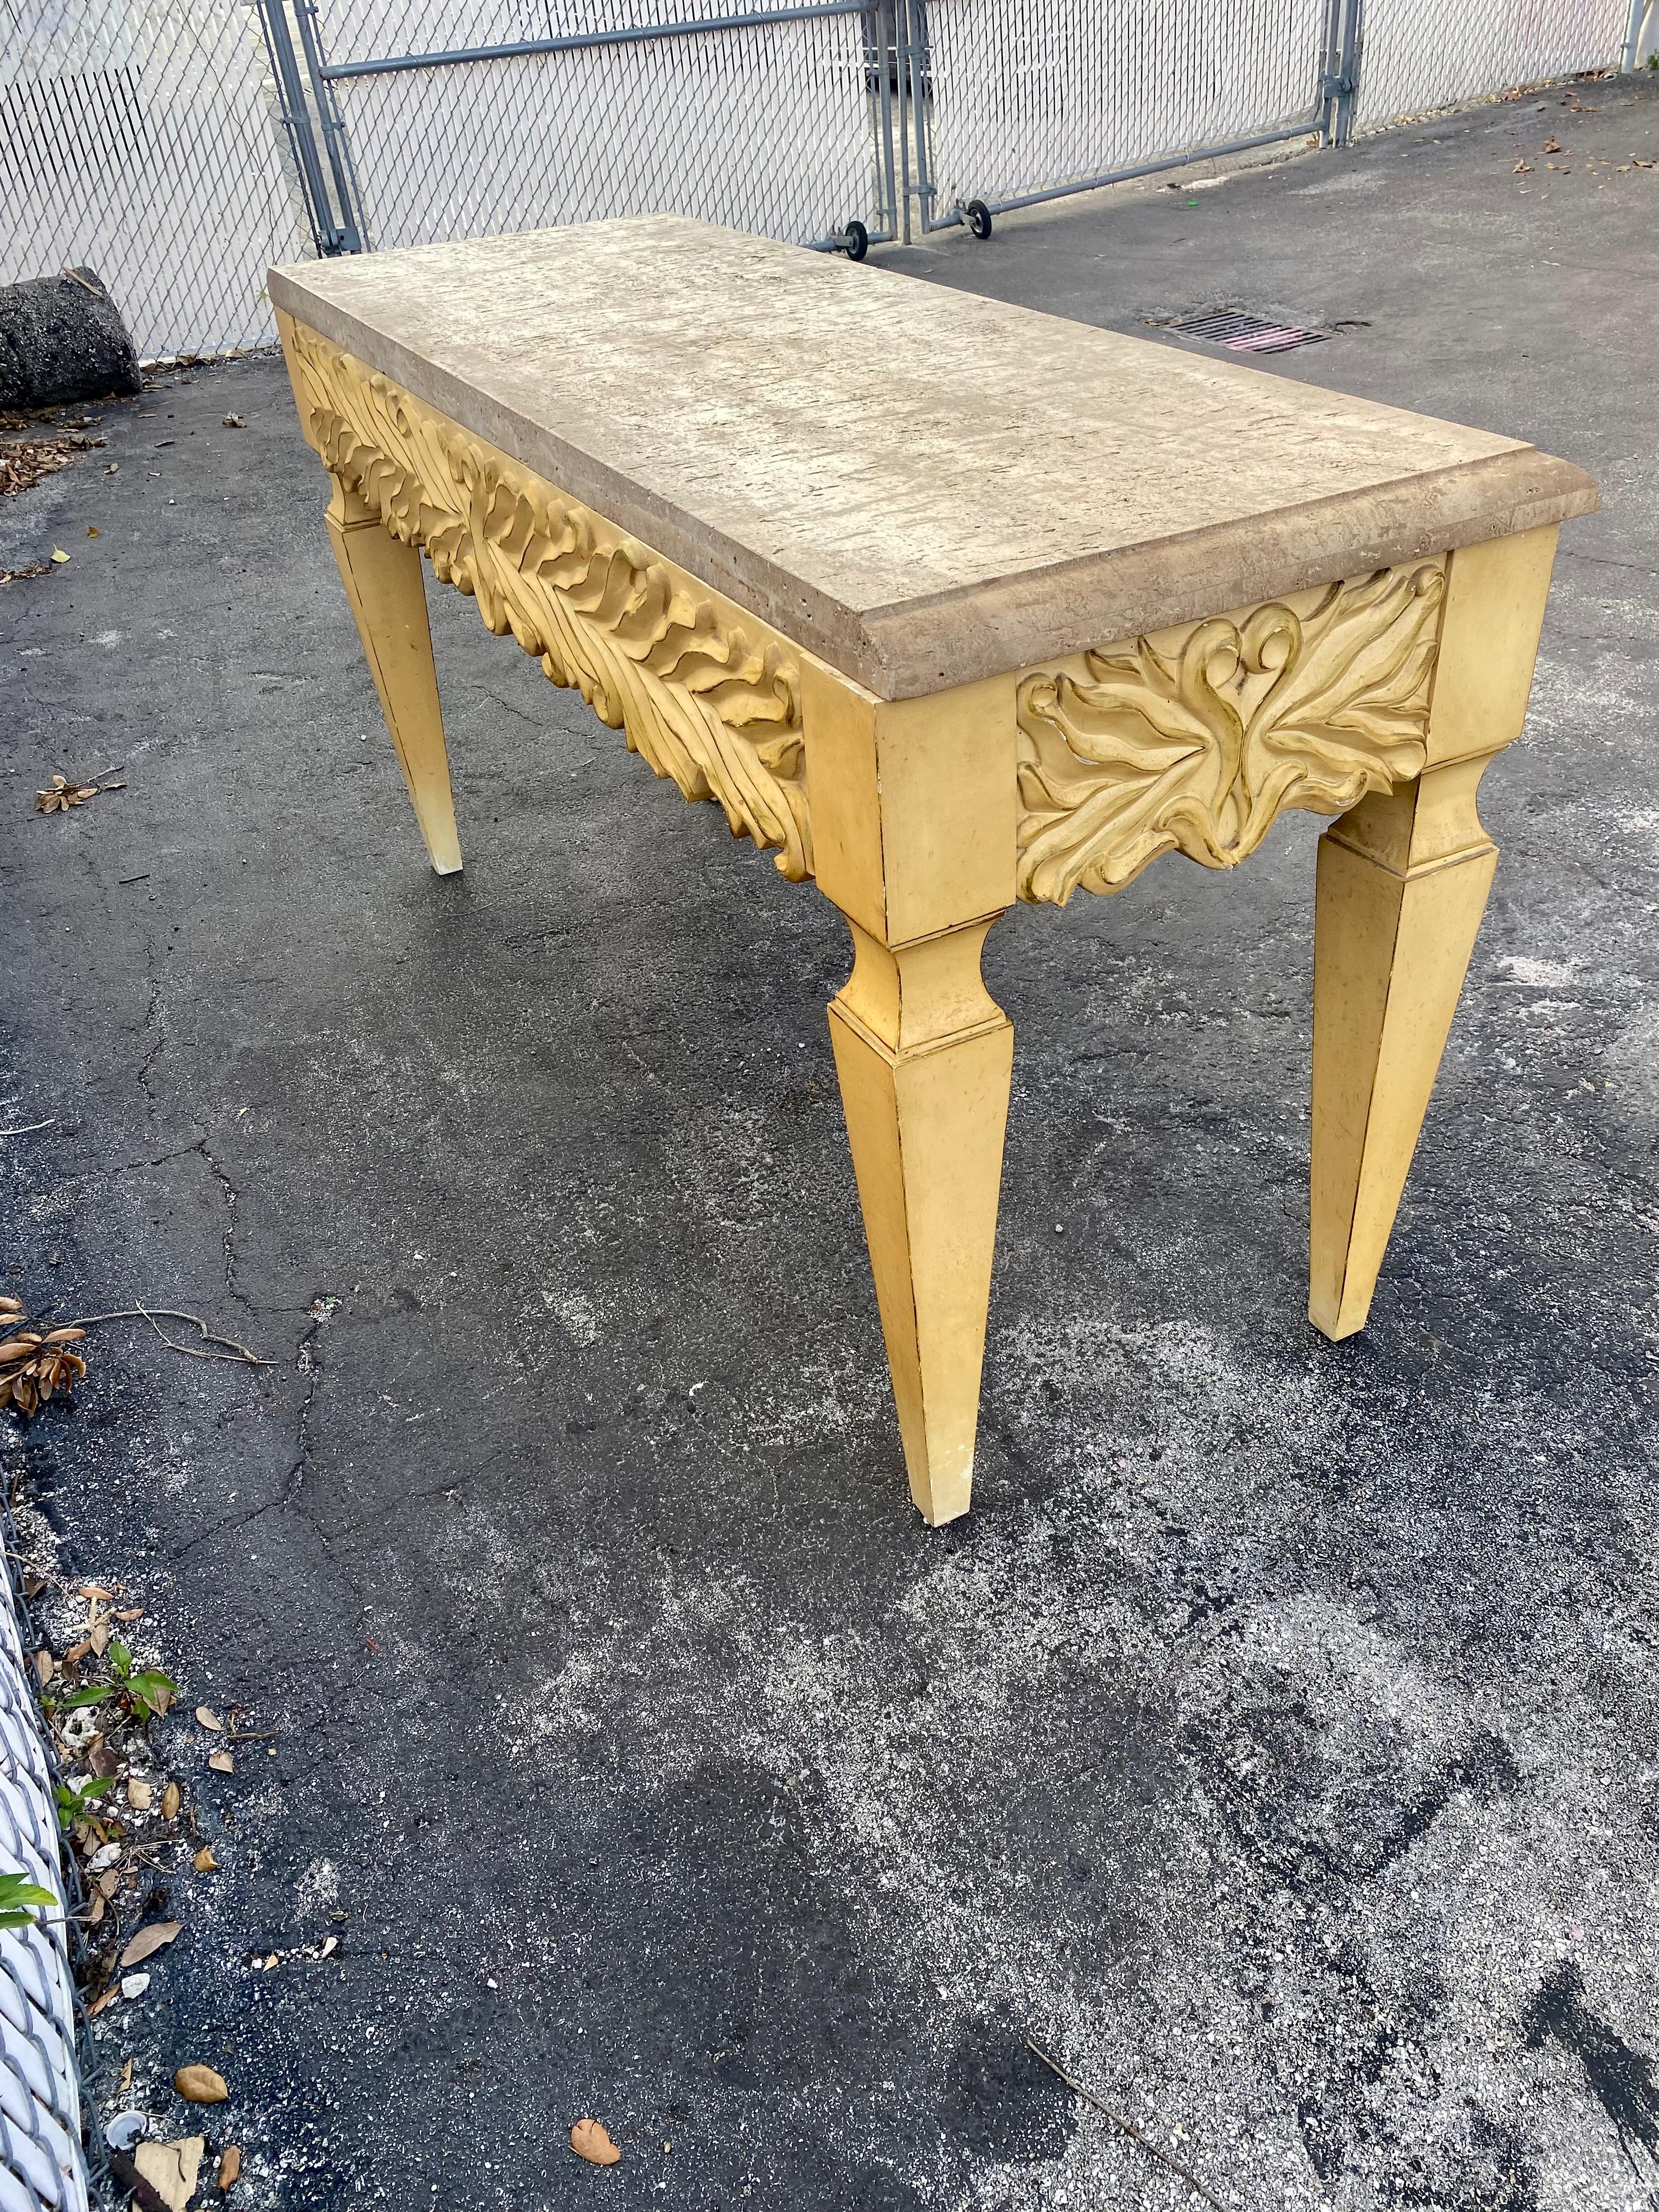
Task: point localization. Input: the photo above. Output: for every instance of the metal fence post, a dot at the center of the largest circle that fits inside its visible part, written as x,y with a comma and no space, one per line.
1341,81
1641,15
334,232
921,92
883,53
328,109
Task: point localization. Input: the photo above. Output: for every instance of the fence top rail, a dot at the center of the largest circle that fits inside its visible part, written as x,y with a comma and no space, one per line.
574,41
924,486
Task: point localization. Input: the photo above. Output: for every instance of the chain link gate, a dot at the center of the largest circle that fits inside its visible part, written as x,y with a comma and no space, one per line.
1004,103
417,120
1014,102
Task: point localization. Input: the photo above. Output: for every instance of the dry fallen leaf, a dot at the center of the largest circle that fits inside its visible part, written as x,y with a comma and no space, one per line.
222,1762
171,2169
589,2140
77,1652
1550,146
201,2085
43,1663
208,1720
126,2077
139,1793
272,1962
204,1861
99,1637
1523,168
130,1613
99,2003
149,1940
92,529
230,2167
62,794
35,1362
26,463
236,423
58,555
94,1593
170,1801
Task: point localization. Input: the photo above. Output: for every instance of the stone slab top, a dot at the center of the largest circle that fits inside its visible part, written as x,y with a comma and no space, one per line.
920,485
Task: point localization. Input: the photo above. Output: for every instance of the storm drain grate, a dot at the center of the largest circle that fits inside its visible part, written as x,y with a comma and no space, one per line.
1240,332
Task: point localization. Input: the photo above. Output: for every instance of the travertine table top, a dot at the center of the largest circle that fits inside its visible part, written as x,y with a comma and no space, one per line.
923,486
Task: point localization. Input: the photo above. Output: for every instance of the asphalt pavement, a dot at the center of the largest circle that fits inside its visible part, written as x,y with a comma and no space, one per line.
1274,1744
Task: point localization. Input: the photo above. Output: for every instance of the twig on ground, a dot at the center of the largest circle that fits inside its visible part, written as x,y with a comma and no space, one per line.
29,1128
234,1354
127,2174
1128,2127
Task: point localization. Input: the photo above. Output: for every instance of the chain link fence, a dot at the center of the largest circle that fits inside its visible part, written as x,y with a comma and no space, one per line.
1031,98
141,138
43,2161
1418,54
178,147
614,110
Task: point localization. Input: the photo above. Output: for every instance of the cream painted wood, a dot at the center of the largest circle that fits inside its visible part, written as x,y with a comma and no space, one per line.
941,648
913,836
1402,884
386,594
922,486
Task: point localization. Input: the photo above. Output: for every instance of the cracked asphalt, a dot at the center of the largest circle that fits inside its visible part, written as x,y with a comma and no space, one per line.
1275,1743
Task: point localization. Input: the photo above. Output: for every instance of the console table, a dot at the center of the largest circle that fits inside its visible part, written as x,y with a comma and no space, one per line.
952,604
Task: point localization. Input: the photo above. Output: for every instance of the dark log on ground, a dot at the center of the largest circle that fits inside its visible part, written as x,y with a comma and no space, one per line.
62,339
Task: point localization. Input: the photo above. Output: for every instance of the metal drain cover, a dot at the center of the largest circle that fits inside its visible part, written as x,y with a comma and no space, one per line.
1242,332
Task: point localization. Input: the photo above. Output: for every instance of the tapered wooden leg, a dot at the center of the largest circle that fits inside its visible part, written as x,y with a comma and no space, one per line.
1402,885
387,595
1393,936
913,834
925,1058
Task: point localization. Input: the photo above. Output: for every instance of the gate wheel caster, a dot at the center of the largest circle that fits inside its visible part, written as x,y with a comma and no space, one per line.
855,239
979,218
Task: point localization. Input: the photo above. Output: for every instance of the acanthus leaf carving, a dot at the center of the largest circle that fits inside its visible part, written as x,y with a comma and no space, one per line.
708,702
1195,739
